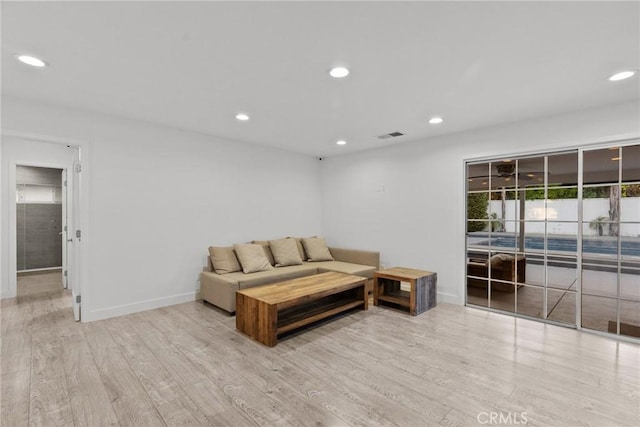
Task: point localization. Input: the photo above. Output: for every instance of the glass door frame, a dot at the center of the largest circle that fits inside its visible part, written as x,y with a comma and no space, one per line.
580,150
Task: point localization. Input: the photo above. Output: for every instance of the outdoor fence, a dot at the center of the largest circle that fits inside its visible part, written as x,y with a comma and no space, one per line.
562,215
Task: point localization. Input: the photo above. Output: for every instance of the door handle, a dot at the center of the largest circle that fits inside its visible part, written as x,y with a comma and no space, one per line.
69,240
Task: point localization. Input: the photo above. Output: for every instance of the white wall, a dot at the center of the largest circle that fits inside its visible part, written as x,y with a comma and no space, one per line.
418,220
158,197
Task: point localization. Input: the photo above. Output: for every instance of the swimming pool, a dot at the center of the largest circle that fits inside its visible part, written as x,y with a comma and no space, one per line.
567,244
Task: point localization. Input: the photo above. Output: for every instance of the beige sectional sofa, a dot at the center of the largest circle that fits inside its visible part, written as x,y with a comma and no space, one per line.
220,289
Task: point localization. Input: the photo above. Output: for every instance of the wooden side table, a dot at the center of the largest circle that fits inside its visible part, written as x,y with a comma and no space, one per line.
421,297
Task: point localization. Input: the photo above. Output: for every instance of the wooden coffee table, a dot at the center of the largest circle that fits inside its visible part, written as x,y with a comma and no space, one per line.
265,312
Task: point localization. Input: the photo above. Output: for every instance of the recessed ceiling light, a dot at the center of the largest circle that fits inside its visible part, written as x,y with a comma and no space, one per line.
341,142
242,117
31,60
615,159
622,75
339,72
436,120
531,175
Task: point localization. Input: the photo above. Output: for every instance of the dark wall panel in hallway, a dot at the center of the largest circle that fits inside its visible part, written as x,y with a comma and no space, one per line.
38,218
39,241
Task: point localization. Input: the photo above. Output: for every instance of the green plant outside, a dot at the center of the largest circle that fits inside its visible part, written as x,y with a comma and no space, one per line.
598,224
477,204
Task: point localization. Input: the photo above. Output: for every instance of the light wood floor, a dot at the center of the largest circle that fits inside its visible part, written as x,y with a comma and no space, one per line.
39,282
186,364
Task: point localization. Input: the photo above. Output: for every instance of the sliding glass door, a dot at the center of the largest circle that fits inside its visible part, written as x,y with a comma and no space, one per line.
557,237
611,244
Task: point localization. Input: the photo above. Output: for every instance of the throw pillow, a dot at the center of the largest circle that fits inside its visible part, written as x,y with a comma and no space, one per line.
252,258
224,260
316,249
299,246
298,241
285,252
267,250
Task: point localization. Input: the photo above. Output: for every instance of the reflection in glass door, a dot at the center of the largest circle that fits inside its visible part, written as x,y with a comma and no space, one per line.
611,244
557,237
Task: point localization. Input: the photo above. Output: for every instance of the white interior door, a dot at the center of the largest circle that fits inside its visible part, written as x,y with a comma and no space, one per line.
65,227
74,240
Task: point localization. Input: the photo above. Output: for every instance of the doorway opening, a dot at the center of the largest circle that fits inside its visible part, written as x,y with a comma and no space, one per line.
29,257
40,225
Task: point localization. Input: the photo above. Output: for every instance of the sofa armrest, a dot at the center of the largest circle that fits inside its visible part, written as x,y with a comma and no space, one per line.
356,256
219,290
209,266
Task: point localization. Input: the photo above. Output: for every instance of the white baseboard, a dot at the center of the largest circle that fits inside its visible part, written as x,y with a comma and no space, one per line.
7,294
449,298
121,310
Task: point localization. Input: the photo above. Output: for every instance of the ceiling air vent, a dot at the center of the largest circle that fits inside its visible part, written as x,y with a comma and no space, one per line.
390,135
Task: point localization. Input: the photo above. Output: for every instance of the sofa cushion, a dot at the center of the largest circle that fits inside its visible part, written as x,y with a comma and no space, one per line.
252,258
356,256
344,267
285,252
278,274
267,250
498,259
298,241
224,260
316,249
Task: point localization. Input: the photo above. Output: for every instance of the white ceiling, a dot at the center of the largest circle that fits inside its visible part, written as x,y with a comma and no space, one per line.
194,65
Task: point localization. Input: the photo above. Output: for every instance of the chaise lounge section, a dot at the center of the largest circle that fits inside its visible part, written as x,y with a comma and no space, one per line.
220,289
505,267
